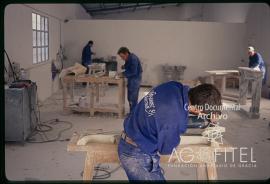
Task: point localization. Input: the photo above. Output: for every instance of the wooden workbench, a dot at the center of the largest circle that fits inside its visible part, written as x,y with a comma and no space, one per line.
223,74
93,84
97,153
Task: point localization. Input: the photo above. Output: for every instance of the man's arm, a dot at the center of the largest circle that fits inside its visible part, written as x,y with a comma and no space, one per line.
83,55
254,62
168,139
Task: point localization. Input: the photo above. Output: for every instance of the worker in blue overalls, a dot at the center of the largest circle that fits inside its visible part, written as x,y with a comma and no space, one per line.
87,55
256,62
133,73
156,124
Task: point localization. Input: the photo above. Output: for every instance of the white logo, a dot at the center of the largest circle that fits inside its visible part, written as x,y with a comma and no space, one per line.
214,133
149,105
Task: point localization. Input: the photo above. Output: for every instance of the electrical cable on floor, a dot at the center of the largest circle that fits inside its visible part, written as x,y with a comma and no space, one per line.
46,126
57,138
106,172
38,130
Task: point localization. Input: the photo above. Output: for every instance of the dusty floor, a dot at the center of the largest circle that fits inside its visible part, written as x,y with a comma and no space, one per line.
51,161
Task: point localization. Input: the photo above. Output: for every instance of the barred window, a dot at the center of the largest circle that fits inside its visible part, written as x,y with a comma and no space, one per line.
40,30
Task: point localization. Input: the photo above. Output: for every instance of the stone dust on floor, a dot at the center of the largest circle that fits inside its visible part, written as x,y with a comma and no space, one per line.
51,161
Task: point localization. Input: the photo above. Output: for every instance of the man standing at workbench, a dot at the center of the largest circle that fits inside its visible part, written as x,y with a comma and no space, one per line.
133,72
87,55
256,62
156,124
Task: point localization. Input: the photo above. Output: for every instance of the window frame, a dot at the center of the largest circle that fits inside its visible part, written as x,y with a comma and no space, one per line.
41,56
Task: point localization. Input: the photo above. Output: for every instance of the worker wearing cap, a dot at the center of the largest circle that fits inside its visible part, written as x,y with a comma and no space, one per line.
155,126
133,72
256,62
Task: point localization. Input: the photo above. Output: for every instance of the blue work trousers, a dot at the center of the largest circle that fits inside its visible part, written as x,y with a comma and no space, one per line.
139,165
133,87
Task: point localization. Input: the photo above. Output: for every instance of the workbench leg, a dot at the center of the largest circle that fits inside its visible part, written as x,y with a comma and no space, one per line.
97,92
211,171
88,167
256,98
243,89
121,98
72,91
202,171
92,100
64,96
212,81
223,84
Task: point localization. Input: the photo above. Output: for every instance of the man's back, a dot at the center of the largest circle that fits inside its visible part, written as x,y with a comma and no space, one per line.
133,66
86,55
159,118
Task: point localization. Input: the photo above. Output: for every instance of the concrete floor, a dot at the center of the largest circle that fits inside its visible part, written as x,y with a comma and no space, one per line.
51,161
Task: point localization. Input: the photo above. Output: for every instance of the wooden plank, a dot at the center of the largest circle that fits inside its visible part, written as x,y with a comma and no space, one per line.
105,147
79,109
91,79
107,153
212,171
231,95
89,166
193,140
230,98
222,72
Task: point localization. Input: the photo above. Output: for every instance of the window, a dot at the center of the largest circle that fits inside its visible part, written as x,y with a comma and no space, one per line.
40,30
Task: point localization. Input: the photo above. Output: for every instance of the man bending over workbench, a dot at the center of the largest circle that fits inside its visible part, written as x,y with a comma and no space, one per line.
156,123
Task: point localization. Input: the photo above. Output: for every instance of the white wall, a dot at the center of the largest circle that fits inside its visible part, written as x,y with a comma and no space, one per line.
226,12
18,39
198,45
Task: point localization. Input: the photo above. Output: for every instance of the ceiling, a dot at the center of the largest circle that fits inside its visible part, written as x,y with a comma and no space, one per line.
95,9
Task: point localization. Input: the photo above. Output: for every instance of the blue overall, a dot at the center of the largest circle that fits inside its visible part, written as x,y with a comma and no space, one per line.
257,60
155,126
86,55
133,73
